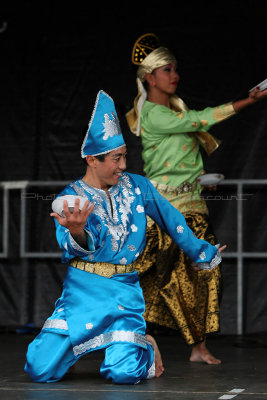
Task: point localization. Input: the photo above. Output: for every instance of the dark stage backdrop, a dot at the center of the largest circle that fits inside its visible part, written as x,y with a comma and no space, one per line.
55,56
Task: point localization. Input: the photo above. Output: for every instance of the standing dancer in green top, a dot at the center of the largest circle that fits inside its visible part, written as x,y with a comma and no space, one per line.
177,296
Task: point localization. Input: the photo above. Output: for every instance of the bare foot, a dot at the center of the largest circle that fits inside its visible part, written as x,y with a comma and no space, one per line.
200,353
158,360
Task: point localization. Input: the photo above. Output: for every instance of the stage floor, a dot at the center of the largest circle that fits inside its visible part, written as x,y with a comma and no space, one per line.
241,376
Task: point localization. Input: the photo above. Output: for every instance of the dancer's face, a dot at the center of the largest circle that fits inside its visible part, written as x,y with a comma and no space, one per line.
165,78
108,172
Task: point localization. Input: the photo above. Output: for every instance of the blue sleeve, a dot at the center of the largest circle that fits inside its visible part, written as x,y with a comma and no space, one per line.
69,245
171,221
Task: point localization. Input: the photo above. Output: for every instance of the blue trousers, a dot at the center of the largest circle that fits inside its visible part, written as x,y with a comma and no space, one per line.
50,355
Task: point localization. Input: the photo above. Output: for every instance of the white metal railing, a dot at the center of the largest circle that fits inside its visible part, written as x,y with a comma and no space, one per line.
239,254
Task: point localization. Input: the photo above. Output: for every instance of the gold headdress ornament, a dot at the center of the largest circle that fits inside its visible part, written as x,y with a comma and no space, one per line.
143,47
149,55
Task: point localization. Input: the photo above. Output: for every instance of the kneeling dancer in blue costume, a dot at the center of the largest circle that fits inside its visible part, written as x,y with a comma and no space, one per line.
102,305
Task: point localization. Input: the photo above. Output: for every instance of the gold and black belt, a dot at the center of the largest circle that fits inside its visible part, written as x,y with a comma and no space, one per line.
102,268
185,187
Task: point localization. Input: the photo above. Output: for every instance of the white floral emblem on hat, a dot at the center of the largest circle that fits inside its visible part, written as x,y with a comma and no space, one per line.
111,126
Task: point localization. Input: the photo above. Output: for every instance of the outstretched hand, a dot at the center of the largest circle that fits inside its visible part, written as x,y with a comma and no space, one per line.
221,248
254,96
257,94
196,267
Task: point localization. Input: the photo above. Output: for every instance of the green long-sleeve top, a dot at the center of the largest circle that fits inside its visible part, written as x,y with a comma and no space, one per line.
170,147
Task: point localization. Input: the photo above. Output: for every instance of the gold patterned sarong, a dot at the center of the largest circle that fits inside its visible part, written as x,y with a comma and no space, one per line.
177,296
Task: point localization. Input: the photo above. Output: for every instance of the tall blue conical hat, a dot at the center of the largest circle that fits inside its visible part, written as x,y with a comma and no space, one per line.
104,132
